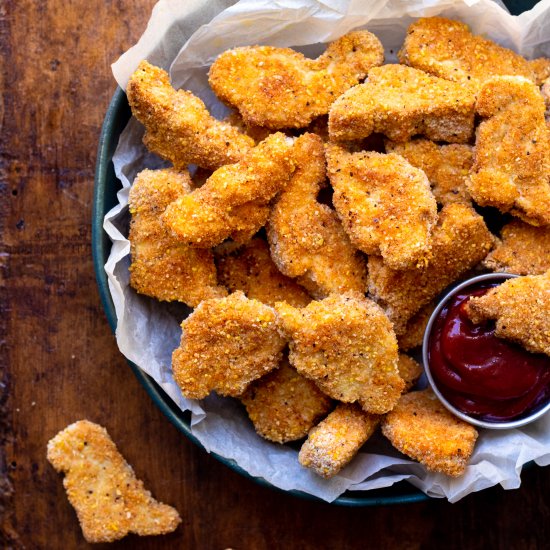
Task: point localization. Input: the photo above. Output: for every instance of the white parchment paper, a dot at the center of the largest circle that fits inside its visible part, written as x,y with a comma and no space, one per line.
186,36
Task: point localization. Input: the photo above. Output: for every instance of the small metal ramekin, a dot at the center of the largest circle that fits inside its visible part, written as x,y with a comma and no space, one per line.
495,425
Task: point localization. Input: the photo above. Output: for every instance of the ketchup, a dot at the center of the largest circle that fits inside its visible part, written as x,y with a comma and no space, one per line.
481,375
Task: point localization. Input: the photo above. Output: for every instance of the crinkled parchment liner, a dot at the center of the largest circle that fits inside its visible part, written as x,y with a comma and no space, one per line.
148,331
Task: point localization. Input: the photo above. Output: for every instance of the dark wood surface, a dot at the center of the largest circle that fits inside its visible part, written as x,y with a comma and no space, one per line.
60,362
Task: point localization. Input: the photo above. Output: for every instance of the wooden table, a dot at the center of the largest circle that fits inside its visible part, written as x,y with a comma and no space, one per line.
60,363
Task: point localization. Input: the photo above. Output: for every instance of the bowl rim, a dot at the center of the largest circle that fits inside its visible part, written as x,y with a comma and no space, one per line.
496,276
118,111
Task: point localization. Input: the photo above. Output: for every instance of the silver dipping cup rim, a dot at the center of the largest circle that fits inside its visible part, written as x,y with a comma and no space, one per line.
495,425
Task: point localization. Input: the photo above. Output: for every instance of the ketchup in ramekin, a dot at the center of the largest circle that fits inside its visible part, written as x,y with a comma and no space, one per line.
488,379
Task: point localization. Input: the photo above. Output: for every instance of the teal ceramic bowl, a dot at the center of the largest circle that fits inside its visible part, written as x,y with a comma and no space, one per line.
105,190
106,187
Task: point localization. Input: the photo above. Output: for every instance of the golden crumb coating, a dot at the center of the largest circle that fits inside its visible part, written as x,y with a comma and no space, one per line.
280,88
521,309
541,69
385,204
246,220
447,166
251,269
109,500
413,333
257,133
423,429
284,406
410,370
226,343
523,249
401,102
234,200
178,127
545,91
346,345
446,48
306,237
162,266
337,439
460,241
512,155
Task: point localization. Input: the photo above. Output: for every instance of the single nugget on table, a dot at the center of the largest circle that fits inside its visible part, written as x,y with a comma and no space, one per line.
178,127
109,500
446,48
283,405
447,166
280,88
521,309
250,269
459,242
401,102
162,266
333,443
347,346
413,333
512,154
423,429
410,370
385,204
233,202
523,249
306,237
226,343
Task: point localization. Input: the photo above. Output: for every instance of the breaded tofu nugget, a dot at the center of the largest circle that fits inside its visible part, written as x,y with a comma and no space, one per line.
226,343
109,500
178,127
521,309
346,345
246,220
251,269
460,241
385,204
523,249
446,48
337,439
162,266
410,370
413,333
447,166
511,168
401,102
284,406
423,429
280,88
306,237
234,200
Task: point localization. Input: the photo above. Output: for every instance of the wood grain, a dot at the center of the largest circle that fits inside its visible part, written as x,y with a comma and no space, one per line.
60,362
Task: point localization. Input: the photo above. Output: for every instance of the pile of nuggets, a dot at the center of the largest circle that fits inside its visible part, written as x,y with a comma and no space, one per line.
327,213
